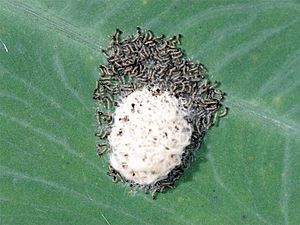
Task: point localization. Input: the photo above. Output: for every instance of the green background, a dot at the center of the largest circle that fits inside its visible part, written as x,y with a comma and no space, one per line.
246,172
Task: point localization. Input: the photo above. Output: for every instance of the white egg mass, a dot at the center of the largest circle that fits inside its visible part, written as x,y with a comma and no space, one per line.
148,136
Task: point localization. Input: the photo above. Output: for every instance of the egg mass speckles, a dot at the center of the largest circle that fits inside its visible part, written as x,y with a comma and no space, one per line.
148,137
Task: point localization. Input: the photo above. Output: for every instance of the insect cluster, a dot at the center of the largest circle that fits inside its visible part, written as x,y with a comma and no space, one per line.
155,62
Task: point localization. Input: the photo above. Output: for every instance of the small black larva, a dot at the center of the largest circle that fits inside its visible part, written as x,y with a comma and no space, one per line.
154,107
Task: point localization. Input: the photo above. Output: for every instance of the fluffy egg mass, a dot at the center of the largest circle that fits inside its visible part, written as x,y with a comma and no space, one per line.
148,136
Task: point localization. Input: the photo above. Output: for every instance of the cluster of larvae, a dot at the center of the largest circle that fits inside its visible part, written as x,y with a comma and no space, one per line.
154,108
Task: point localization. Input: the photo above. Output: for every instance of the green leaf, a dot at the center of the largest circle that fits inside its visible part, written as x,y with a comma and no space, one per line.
246,172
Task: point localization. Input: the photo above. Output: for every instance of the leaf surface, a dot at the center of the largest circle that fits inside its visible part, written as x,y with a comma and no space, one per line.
246,172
